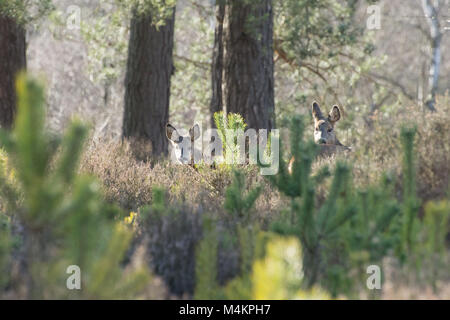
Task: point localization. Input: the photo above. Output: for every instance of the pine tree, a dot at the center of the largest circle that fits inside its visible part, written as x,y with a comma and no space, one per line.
64,218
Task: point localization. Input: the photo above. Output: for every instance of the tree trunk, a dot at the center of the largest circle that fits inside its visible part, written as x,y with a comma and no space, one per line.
147,82
248,59
435,40
12,60
217,63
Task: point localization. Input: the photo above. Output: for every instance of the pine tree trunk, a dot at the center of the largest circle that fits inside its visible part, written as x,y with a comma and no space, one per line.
217,63
249,65
147,82
12,60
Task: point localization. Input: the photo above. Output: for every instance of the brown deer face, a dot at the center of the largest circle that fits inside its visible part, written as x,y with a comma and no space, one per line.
183,145
324,126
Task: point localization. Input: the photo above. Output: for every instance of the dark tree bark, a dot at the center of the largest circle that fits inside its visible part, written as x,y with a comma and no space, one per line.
147,82
12,60
217,63
248,62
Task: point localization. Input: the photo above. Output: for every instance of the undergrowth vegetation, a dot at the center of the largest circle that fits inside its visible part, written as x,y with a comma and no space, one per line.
226,232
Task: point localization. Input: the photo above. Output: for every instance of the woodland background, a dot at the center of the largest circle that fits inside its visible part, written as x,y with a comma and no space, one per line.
85,179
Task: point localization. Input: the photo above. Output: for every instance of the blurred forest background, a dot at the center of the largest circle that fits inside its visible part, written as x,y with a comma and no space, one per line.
381,70
146,228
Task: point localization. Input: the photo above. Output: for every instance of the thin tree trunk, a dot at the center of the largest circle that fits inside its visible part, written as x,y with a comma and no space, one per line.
147,82
217,63
435,39
12,60
248,59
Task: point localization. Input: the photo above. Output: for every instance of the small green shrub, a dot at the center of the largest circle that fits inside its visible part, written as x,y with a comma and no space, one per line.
436,227
206,254
5,250
350,228
411,203
230,128
237,202
64,219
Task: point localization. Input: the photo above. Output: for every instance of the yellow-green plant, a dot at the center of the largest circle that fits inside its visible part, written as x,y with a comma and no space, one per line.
411,203
277,274
230,128
206,286
64,218
435,230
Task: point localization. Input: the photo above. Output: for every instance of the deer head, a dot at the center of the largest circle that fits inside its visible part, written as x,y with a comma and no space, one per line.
183,145
324,132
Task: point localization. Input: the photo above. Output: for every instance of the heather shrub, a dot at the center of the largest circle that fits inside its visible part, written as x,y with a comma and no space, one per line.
170,233
129,182
377,148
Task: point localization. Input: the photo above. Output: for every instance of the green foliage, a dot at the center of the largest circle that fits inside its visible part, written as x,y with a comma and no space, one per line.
26,11
368,236
313,28
107,33
411,203
252,242
64,218
5,249
231,130
237,203
159,9
277,274
436,221
320,46
353,228
346,232
436,227
206,286
295,184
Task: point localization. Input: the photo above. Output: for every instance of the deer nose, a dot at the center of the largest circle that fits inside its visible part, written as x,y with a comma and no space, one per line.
321,141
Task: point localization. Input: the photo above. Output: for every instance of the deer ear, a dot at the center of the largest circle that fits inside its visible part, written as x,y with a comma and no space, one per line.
334,115
172,133
194,132
317,114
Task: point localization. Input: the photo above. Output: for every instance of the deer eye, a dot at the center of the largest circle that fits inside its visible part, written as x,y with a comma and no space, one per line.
330,129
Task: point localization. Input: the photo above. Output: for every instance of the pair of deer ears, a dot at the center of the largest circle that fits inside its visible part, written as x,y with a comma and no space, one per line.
333,116
173,134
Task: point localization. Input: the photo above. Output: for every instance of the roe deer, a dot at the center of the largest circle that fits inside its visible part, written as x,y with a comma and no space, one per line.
324,133
183,146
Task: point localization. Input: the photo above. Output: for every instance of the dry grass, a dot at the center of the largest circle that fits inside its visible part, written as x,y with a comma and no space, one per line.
128,181
378,150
